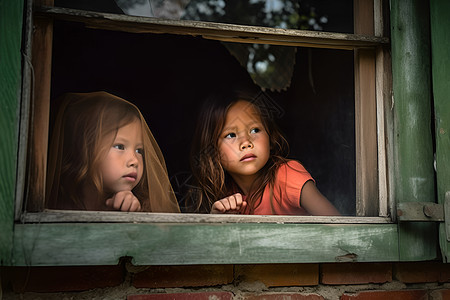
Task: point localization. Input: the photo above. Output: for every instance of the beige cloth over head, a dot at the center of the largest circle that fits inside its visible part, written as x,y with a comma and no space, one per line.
83,120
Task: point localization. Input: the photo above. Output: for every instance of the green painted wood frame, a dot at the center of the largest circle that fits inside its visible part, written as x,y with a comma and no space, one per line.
177,244
170,244
413,150
10,90
440,60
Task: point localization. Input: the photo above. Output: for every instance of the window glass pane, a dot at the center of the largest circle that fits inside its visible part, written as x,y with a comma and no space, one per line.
326,15
269,66
168,76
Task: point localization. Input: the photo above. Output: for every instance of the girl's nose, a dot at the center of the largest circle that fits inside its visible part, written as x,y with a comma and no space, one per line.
246,144
132,160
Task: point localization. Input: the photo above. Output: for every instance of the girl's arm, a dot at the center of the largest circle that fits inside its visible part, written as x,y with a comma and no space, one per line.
312,200
230,205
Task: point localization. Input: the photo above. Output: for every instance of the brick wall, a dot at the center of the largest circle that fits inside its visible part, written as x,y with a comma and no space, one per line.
343,281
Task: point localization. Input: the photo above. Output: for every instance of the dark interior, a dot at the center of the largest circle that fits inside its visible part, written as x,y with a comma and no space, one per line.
167,77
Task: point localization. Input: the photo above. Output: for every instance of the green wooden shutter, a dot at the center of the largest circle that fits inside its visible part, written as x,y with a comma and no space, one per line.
414,175
11,16
440,45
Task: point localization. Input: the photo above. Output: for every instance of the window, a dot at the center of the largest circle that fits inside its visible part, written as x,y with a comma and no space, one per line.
326,97
165,239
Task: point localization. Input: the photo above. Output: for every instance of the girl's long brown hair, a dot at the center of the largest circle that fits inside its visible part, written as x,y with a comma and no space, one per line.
211,180
84,131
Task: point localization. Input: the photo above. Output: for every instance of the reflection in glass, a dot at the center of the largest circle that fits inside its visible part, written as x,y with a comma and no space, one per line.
288,14
291,14
136,7
270,66
164,9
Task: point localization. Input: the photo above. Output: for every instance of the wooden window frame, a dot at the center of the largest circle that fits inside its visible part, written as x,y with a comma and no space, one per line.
368,43
76,239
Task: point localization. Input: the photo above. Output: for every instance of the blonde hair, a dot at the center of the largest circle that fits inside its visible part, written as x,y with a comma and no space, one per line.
78,145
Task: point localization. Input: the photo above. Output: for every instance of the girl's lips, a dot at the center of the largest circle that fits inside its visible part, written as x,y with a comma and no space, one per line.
248,157
131,176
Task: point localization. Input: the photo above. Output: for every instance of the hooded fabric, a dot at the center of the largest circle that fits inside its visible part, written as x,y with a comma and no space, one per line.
82,121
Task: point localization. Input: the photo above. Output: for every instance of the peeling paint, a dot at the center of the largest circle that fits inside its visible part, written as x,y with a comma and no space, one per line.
416,185
350,257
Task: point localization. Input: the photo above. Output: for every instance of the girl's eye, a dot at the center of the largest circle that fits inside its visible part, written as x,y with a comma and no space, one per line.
140,151
255,130
230,135
119,146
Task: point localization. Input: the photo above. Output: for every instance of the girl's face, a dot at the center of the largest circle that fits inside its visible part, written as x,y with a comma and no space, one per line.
244,143
123,166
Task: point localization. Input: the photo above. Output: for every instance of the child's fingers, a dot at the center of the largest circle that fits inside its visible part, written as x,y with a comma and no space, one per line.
124,201
223,205
227,203
112,203
230,204
243,205
239,203
135,206
130,203
116,201
109,202
238,200
217,208
235,201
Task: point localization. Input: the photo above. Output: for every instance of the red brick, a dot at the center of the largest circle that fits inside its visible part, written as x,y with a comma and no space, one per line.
444,274
183,276
418,272
181,296
355,273
387,295
284,296
279,274
440,294
62,279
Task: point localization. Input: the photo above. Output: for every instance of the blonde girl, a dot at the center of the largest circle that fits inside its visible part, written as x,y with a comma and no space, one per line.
103,157
240,165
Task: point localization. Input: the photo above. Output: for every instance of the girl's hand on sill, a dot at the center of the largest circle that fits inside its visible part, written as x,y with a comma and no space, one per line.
124,201
230,205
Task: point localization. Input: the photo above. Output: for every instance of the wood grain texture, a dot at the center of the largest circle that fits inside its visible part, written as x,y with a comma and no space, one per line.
10,80
440,43
67,216
178,244
364,16
41,60
413,144
24,123
366,116
383,88
219,31
366,134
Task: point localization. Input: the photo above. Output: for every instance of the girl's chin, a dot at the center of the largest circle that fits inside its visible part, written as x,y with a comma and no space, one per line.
120,188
